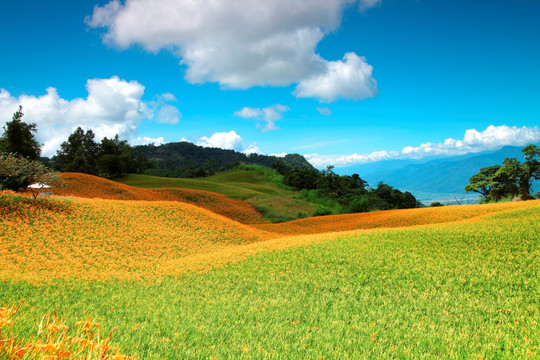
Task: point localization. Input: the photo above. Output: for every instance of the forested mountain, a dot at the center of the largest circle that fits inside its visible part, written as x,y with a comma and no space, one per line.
184,159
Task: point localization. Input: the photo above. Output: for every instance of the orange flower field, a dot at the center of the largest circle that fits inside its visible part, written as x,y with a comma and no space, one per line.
99,239
388,219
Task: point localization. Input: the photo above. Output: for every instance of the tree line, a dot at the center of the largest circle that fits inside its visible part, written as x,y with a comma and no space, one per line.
343,193
21,164
187,160
108,158
510,180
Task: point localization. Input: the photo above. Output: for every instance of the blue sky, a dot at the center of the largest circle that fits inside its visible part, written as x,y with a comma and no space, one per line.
339,81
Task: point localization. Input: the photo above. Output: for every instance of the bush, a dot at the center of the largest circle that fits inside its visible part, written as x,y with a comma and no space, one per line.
436,204
322,210
17,172
360,204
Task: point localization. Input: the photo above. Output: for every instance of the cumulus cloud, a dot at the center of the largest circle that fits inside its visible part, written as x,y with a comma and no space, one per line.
113,106
492,138
350,79
223,140
239,43
252,149
226,140
268,114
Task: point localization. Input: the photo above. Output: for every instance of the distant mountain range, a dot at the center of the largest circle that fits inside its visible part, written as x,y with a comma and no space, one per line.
432,179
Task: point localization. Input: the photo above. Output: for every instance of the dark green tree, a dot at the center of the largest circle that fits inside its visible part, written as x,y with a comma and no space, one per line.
506,179
115,157
79,153
19,137
511,179
530,170
482,183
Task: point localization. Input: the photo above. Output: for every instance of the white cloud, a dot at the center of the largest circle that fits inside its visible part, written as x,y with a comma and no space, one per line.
249,113
252,149
168,114
350,79
321,161
236,43
324,111
113,106
163,112
226,140
283,154
492,138
223,140
268,114
145,140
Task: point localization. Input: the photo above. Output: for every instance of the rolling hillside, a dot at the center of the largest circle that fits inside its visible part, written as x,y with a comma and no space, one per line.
274,202
178,281
89,186
88,238
237,184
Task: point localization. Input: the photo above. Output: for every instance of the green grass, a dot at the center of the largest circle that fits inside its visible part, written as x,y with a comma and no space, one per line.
457,291
237,184
280,208
258,185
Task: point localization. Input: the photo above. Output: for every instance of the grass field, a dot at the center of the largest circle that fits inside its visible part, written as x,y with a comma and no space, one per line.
182,282
88,186
275,203
237,184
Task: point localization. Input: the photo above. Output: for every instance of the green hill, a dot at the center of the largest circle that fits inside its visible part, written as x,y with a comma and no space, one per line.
258,186
187,160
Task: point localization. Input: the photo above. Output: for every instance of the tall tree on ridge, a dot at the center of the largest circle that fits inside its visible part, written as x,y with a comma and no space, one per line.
19,137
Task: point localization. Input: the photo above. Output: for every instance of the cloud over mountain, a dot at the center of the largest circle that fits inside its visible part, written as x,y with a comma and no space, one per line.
493,137
227,141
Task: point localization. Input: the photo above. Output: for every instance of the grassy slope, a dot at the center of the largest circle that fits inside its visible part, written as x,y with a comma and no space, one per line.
466,289
237,184
83,185
275,203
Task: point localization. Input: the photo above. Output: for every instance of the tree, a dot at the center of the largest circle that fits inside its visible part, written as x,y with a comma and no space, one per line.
17,172
19,137
115,157
506,180
482,183
530,170
512,178
79,153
